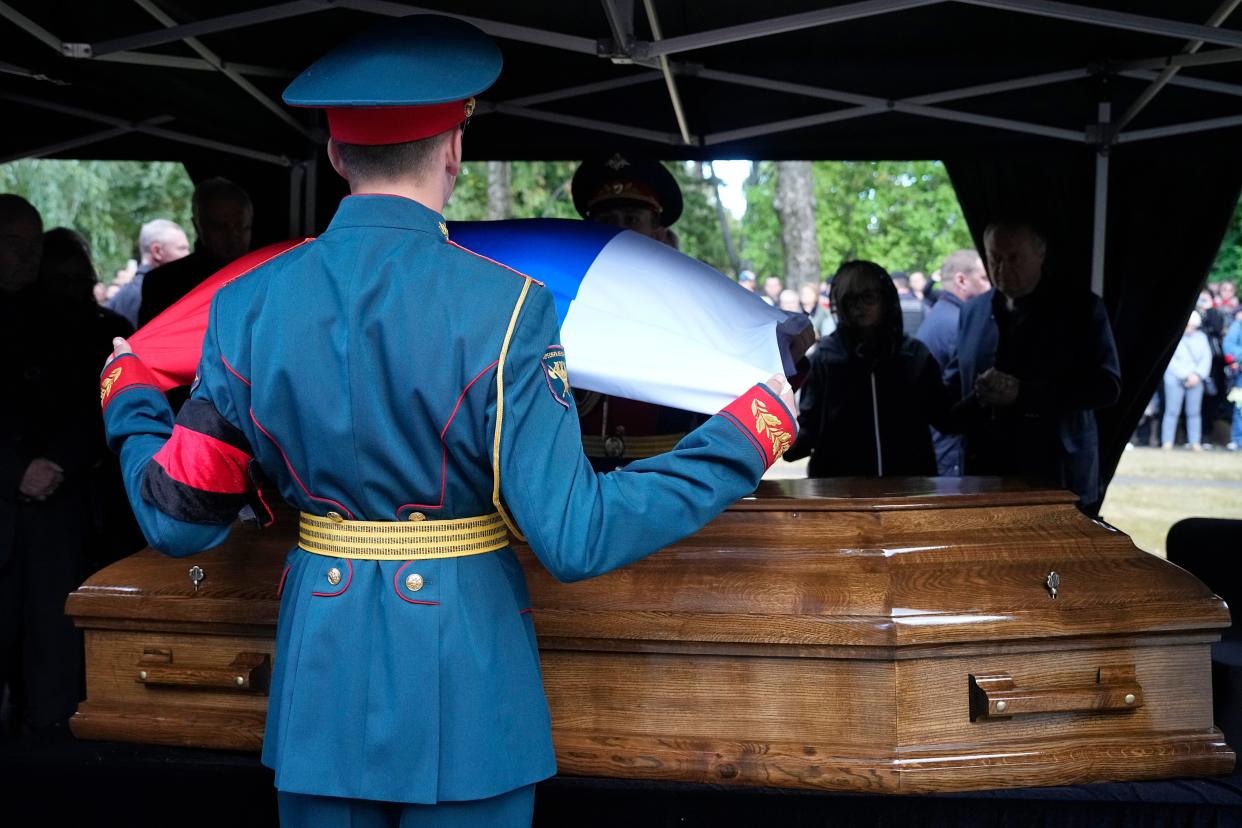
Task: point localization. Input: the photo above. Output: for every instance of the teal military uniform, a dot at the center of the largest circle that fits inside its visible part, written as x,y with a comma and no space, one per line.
384,379
365,373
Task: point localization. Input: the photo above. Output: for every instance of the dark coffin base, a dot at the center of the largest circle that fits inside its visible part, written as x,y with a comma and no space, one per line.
139,786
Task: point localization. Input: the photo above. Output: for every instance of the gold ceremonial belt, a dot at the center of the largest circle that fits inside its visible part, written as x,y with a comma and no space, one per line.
631,448
382,540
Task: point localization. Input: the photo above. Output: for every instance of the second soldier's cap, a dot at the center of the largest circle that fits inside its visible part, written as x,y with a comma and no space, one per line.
402,80
620,177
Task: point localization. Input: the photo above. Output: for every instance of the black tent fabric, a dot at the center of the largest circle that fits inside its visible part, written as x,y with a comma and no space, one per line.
1007,91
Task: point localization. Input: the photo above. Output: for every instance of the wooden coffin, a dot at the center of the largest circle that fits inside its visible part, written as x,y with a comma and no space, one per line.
873,635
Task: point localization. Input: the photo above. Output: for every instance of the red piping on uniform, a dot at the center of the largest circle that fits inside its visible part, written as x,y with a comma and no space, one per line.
281,586
348,578
233,372
397,589
493,261
526,611
444,447
289,465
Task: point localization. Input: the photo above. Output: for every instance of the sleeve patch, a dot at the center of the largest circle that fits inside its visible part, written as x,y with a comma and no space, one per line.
122,373
765,420
557,375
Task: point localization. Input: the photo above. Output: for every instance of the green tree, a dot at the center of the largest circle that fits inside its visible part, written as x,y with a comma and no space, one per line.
106,201
1228,264
541,189
903,215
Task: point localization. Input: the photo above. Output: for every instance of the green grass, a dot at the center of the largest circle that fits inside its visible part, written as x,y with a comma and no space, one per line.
1154,489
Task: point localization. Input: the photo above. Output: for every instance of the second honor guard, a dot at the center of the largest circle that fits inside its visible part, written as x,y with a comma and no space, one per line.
639,194
409,398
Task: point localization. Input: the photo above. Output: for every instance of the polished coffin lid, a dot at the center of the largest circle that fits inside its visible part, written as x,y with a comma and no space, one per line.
853,563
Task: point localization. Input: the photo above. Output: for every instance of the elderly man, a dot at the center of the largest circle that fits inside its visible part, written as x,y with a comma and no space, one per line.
1033,364
160,241
222,215
962,279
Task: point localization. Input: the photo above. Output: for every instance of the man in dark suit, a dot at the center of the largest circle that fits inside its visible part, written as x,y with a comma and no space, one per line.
963,277
1035,362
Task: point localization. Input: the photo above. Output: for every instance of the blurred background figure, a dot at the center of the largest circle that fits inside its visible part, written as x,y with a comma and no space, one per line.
1184,383
160,241
223,216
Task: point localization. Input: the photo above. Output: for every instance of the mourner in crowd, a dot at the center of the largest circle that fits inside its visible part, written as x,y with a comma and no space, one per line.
1033,362
1233,370
223,216
963,277
49,442
160,241
639,194
1185,378
406,685
872,391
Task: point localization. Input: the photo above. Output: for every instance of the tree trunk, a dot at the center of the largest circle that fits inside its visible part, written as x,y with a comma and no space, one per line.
499,194
730,250
795,207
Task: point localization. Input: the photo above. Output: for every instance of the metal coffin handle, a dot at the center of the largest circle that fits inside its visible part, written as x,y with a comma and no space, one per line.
998,697
248,673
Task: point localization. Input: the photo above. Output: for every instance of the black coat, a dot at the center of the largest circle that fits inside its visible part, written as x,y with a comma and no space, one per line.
864,418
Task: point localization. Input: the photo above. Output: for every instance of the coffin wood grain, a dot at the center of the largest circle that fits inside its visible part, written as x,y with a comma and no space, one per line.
819,635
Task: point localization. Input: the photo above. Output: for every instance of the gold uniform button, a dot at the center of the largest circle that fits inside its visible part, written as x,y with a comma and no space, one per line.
414,582
417,516
335,517
334,576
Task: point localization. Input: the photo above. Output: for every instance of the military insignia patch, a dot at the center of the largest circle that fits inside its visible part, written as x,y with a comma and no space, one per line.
557,375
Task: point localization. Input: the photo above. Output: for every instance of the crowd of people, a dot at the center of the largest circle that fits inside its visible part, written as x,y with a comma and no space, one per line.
1201,391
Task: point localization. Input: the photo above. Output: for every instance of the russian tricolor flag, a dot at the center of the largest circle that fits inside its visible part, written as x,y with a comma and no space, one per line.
638,319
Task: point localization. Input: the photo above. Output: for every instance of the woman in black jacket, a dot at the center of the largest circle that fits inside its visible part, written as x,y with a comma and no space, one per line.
872,391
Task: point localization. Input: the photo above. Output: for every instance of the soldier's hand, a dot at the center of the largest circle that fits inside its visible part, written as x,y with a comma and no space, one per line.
119,347
781,388
41,479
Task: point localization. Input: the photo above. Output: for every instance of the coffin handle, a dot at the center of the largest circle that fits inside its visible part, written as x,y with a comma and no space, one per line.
999,697
248,673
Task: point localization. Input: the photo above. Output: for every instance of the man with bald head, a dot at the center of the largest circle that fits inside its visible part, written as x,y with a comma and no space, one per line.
963,277
160,241
222,215
1034,361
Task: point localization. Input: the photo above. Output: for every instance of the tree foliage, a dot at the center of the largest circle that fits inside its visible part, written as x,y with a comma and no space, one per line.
1228,264
903,215
541,189
106,201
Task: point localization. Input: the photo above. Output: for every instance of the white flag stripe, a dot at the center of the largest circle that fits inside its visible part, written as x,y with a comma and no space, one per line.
652,324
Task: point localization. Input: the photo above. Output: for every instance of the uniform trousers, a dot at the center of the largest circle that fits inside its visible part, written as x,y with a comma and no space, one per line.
508,810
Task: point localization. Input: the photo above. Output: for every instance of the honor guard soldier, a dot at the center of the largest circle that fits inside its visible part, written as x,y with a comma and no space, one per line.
639,194
409,398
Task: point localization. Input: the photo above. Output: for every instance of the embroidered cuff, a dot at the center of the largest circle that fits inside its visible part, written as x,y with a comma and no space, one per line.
765,421
123,373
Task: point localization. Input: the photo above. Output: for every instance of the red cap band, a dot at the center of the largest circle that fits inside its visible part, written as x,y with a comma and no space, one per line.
376,125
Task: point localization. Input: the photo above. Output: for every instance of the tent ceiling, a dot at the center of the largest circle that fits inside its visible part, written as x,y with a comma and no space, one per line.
787,79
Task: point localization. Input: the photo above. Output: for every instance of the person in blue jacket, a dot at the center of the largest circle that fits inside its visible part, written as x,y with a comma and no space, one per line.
411,399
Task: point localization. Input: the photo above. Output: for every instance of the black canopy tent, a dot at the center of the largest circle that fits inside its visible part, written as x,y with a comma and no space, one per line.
1116,124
